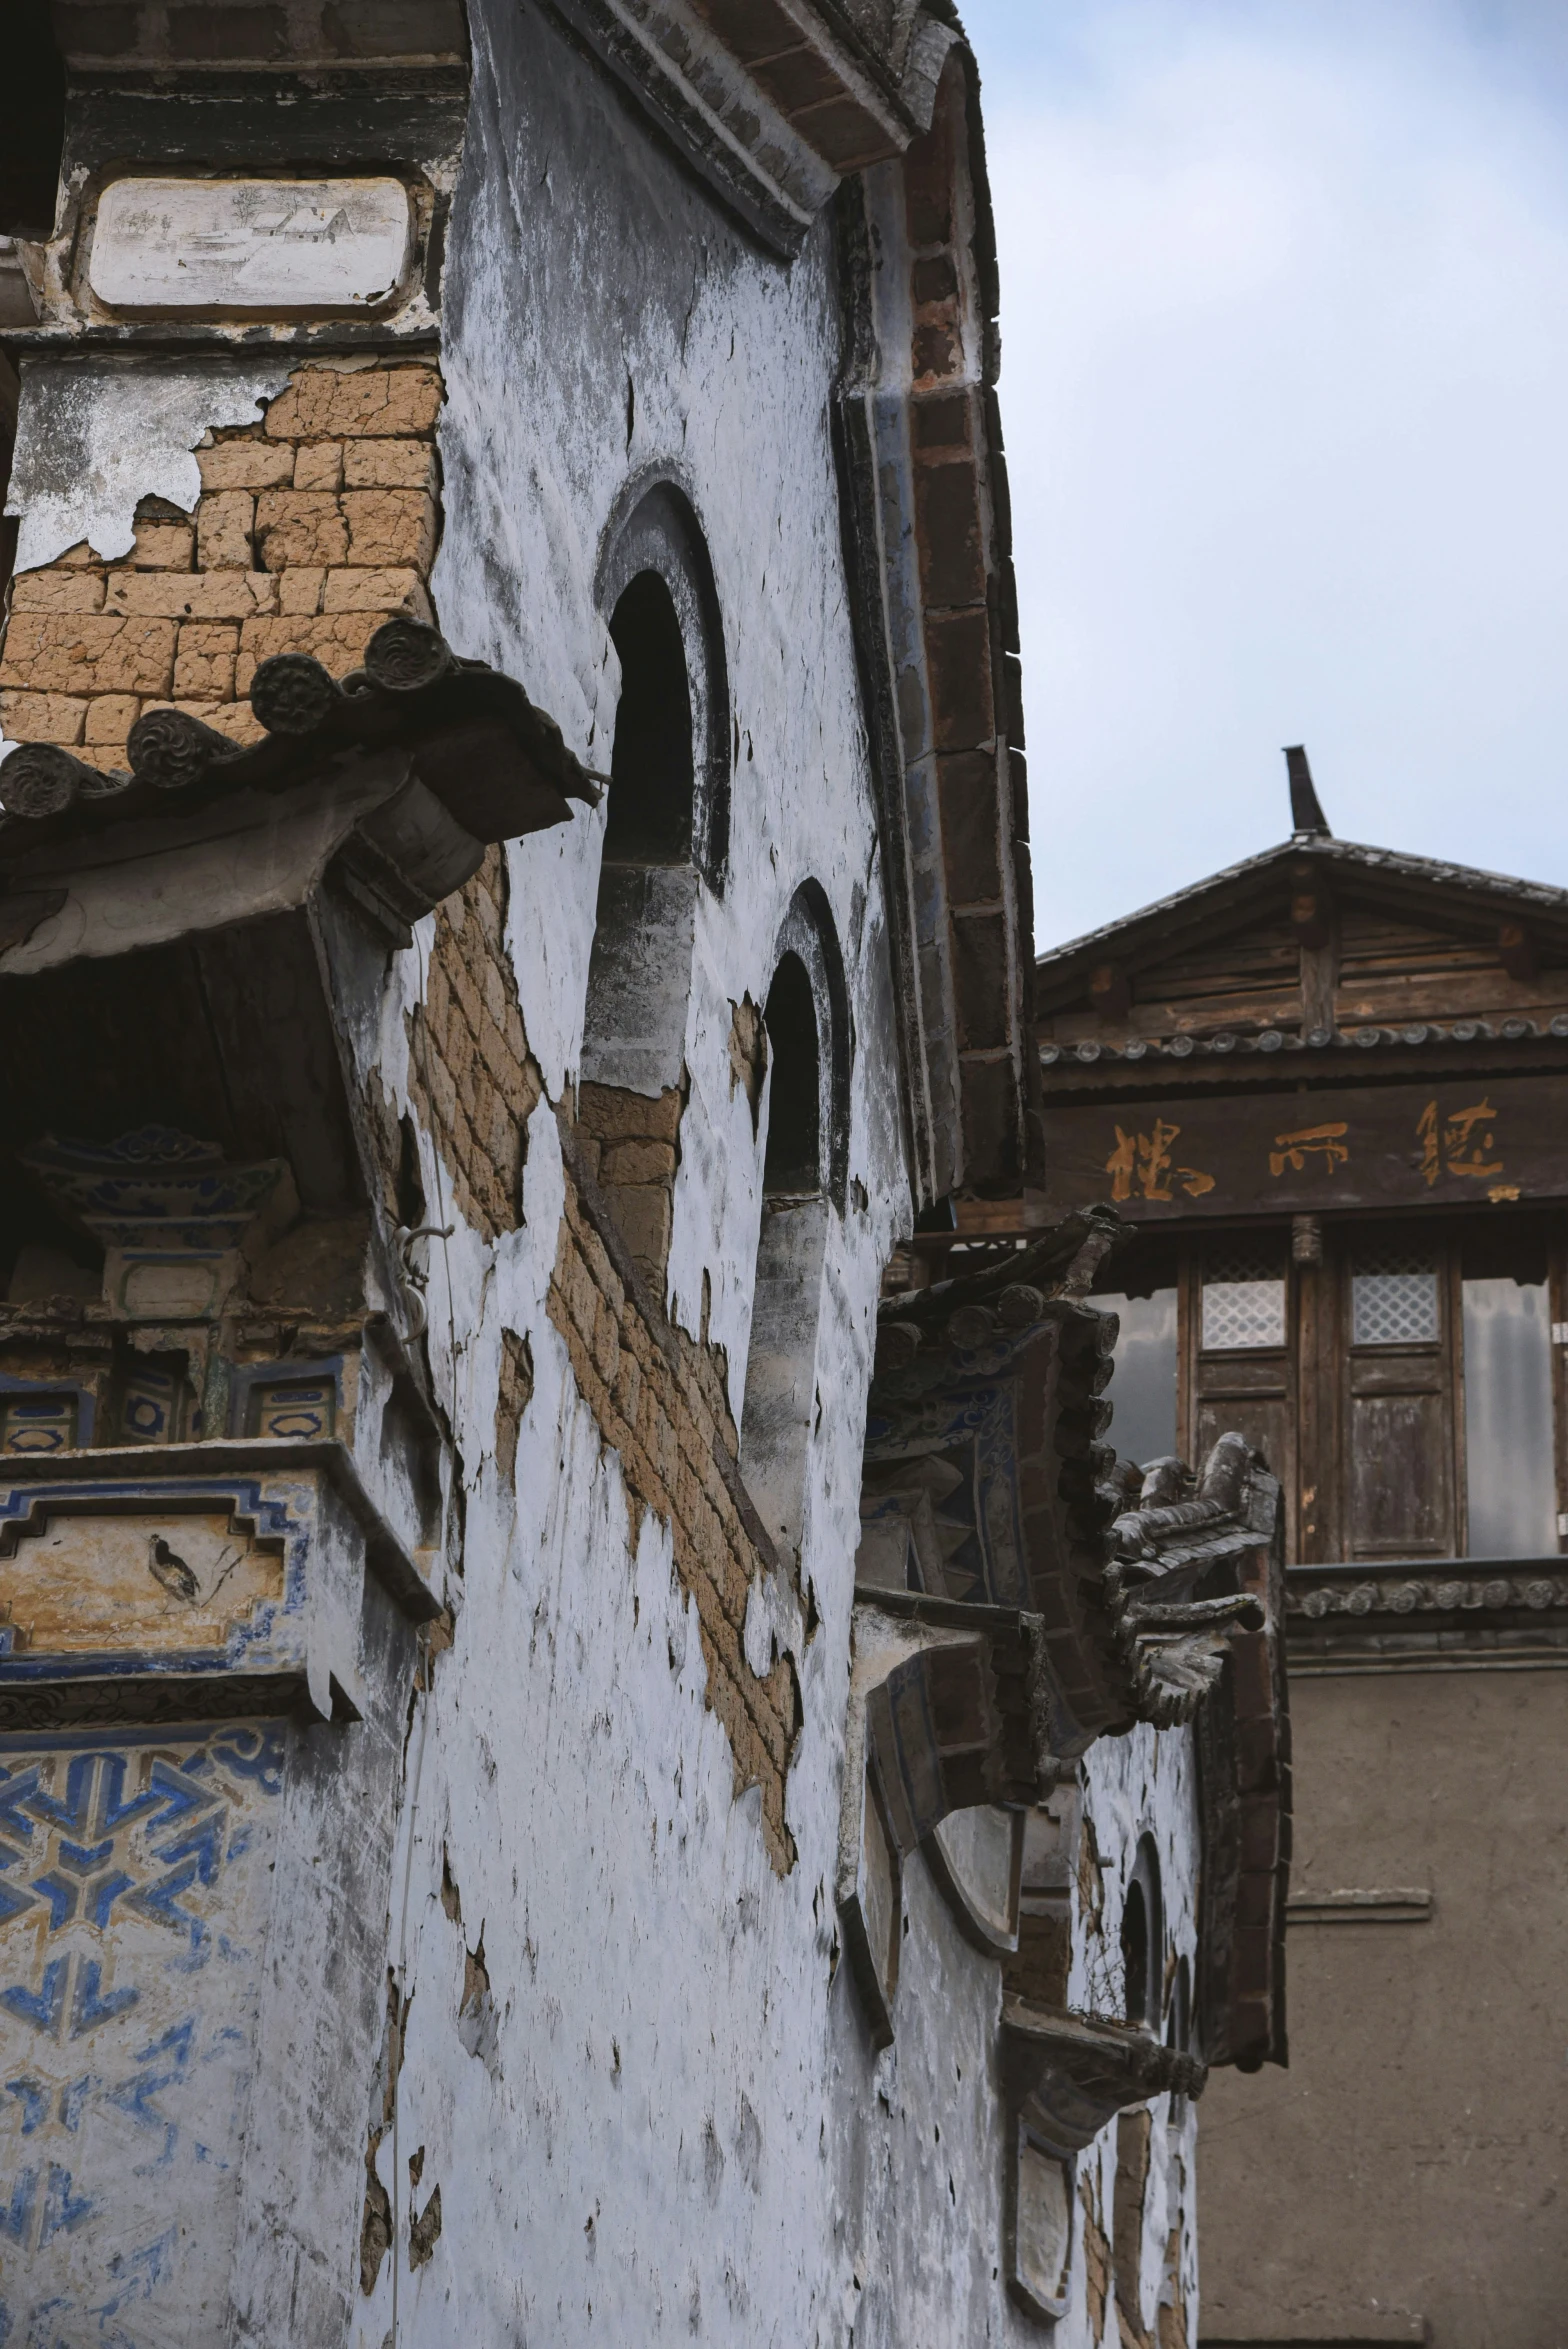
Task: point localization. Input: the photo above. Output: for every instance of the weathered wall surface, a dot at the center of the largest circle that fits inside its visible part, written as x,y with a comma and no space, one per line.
625,2091
921,2129
578,1879
1440,2206
128,2064
300,532
609,2166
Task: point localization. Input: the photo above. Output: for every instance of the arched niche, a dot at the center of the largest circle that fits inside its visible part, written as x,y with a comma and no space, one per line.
1143,1940
667,822
804,1171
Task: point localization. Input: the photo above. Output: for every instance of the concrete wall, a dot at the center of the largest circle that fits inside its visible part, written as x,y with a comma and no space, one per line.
1408,2169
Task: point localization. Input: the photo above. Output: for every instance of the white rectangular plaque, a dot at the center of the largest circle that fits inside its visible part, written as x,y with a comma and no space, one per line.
274,245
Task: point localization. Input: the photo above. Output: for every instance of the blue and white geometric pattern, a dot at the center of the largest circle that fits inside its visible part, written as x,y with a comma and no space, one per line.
134,1888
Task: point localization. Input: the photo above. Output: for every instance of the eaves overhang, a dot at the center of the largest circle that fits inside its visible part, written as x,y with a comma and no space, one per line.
1423,882
389,782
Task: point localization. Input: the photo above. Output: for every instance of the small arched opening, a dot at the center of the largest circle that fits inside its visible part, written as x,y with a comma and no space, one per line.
792,1164
651,773
803,1168
668,791
1178,2034
1143,1997
1143,1940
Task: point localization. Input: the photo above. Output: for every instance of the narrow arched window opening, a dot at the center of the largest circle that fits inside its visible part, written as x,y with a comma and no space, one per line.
1143,1940
793,1163
1135,1954
656,586
652,777
806,1019
1178,2033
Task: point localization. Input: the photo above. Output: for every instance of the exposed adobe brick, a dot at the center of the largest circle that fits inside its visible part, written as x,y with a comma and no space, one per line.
204,661
300,526
1096,2254
390,526
110,718
233,718
318,464
92,653
246,461
651,1403
58,591
338,641
513,1397
612,1114
272,545
191,595
325,403
163,546
380,592
934,279
299,592
630,1142
388,464
225,520
475,1120
936,351
42,717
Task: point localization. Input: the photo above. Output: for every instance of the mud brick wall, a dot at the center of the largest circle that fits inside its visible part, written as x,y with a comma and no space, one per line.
630,1144
1096,2255
472,1077
652,1391
313,527
657,1395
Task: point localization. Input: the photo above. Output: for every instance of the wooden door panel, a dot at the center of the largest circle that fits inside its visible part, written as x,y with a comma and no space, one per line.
1401,1475
1391,1373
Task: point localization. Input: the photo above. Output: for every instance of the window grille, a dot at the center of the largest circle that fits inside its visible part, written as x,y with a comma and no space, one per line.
1243,1303
1395,1301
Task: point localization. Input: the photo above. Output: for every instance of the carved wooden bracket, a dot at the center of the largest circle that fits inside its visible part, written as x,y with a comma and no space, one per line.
1069,2074
947,1714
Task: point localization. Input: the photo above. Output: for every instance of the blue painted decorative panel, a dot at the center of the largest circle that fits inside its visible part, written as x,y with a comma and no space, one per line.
135,1883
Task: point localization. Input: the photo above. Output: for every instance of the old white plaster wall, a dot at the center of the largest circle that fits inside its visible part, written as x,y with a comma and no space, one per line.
96,436
657,2115
1143,1783
634,2066
636,2140
921,2129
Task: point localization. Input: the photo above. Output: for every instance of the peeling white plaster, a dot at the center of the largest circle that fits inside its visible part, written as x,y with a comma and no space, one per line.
669,2122
96,436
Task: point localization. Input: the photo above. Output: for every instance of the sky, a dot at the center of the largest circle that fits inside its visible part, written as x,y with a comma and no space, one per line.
1285,395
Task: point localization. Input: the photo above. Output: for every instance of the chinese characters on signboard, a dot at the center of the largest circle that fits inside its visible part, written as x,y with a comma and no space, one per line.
1458,1142
1145,1159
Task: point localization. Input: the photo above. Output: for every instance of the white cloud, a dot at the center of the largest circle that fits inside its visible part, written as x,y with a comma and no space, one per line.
1285,343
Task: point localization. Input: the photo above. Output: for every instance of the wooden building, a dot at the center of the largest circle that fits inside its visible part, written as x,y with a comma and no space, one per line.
1328,1088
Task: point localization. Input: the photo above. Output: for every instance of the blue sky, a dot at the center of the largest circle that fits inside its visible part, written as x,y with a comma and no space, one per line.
1285,391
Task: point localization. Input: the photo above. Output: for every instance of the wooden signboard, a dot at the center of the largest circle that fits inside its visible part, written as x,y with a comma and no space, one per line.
1438,1145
